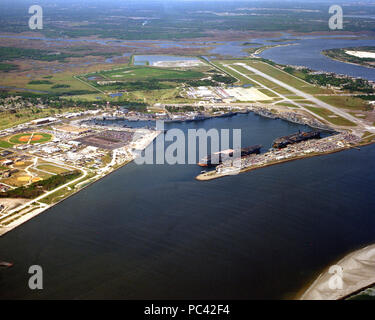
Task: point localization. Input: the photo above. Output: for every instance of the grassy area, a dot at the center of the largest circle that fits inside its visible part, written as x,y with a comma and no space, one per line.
5,144
38,188
340,54
286,77
40,82
40,174
269,84
32,138
57,196
155,96
345,102
17,179
368,137
52,168
88,179
268,93
9,119
303,102
148,84
286,104
6,67
366,134
330,116
145,73
62,83
242,80
89,97
22,164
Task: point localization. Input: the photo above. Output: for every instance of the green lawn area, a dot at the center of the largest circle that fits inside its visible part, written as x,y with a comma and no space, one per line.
5,144
16,138
8,119
89,97
57,196
242,79
272,71
285,77
269,84
137,73
52,168
61,82
345,102
305,102
366,134
367,137
268,93
326,114
286,104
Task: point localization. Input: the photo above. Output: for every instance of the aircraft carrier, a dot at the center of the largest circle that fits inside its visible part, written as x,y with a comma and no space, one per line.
222,155
282,142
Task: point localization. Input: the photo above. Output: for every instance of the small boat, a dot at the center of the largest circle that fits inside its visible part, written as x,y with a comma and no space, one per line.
4,264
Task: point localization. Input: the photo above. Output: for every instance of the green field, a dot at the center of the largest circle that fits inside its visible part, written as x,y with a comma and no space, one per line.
331,117
141,73
285,104
268,93
148,84
52,168
5,144
286,77
9,118
23,138
242,80
345,102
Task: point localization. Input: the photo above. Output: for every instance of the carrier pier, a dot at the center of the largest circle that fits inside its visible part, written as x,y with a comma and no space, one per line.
218,157
282,142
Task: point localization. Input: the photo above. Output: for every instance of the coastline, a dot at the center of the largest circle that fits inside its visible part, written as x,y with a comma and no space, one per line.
358,273
343,61
211,175
28,216
202,177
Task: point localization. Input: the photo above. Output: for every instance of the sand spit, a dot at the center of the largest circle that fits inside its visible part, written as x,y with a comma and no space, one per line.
351,274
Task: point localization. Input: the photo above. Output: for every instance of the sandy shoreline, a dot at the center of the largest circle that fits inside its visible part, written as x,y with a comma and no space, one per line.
343,61
350,275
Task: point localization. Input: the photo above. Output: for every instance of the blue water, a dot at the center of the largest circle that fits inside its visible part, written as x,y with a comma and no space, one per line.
113,95
307,52
233,48
152,231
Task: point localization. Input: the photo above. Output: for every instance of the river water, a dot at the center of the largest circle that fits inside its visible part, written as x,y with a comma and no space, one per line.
152,231
307,52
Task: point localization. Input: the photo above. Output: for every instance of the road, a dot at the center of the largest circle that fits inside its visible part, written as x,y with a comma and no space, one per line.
307,96
46,194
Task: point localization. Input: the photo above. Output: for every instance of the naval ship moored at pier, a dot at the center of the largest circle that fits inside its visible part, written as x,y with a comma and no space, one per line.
282,142
224,154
